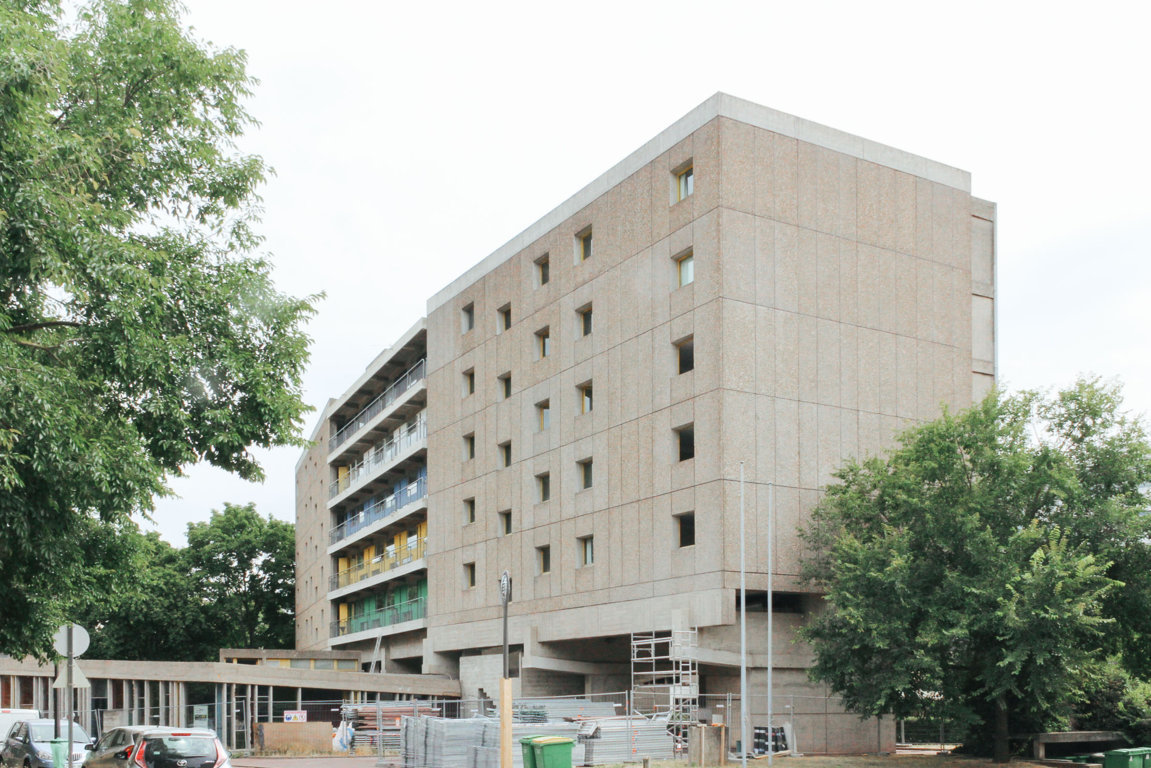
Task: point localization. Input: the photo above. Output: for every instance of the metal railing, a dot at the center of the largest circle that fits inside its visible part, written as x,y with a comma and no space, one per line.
380,509
381,401
391,559
382,617
382,453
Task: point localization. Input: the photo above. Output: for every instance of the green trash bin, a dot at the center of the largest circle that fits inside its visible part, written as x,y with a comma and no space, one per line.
60,753
529,753
1122,758
553,751
1140,756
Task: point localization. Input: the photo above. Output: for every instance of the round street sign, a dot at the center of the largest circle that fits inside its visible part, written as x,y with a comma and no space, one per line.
505,587
80,640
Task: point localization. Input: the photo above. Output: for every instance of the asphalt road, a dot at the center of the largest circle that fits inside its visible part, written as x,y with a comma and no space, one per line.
328,761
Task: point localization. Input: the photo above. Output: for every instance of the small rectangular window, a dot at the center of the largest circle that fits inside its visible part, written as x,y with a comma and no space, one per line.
685,524
685,355
586,400
544,559
467,317
505,522
544,414
506,453
585,473
543,343
469,446
586,550
506,385
469,381
585,325
685,438
469,575
583,245
685,269
543,486
469,511
543,270
684,183
505,318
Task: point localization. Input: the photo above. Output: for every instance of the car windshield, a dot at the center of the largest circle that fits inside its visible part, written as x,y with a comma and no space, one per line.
180,746
44,732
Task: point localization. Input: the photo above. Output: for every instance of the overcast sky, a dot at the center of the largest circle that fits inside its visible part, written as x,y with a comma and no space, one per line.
411,139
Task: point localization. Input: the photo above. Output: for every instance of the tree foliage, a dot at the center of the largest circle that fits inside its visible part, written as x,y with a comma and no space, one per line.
989,564
233,586
138,332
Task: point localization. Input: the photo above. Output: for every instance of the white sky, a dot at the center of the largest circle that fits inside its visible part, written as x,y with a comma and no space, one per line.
411,139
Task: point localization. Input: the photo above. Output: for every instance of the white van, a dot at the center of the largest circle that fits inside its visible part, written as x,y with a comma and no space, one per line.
10,716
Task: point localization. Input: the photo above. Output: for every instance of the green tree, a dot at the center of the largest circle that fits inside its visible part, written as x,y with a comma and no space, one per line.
242,568
139,333
985,568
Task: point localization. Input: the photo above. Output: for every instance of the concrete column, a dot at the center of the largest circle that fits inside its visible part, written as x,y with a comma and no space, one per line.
271,703
299,698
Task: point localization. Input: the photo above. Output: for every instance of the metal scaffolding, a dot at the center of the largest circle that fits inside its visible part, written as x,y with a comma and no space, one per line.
665,677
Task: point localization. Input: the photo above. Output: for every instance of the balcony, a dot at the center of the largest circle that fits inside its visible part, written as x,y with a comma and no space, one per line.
377,406
383,617
380,509
383,453
388,561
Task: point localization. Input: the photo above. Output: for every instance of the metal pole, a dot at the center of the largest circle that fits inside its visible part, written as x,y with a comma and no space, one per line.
742,633
70,703
770,612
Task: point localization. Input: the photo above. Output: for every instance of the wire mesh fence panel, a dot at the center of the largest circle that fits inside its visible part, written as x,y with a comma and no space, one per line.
928,731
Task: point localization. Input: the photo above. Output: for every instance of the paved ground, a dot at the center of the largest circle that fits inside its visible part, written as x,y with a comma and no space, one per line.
327,761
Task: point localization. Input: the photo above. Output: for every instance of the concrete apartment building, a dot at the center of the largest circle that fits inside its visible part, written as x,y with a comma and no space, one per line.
748,288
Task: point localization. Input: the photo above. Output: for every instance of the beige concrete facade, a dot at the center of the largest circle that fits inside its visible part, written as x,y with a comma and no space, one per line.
832,291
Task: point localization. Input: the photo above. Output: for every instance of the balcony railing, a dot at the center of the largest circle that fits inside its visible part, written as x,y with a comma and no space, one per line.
401,440
389,560
382,617
382,401
379,509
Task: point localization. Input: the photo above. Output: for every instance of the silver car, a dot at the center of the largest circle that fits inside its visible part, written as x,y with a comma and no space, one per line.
137,746
29,744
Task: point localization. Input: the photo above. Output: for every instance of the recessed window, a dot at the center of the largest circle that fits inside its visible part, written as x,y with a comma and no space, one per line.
583,245
543,270
543,343
544,559
586,399
585,324
467,318
469,575
684,183
586,549
543,414
685,269
685,525
505,522
543,486
506,384
685,439
685,355
469,511
469,381
506,453
585,473
504,321
469,446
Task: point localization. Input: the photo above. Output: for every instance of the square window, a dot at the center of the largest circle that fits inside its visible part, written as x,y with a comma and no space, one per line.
684,183
685,524
469,511
685,437
586,400
469,446
544,414
543,486
469,382
506,385
542,270
685,355
585,473
583,245
685,269
505,318
586,550
505,522
544,559
467,318
506,454
585,325
469,575
543,343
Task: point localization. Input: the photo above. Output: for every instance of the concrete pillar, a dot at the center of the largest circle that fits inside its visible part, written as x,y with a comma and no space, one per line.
271,703
299,698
